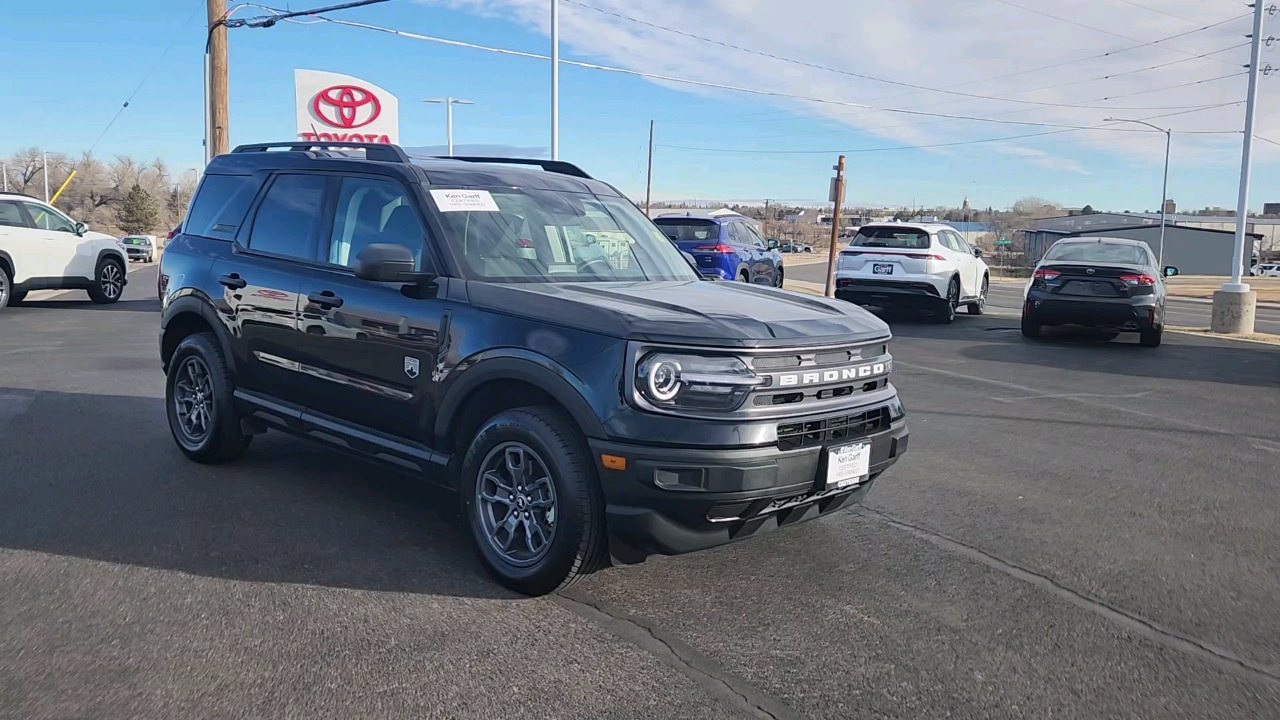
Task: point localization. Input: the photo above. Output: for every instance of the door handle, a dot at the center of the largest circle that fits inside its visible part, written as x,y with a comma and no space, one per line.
233,281
325,299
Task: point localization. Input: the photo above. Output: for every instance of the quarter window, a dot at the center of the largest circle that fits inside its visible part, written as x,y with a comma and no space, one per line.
373,211
287,219
220,205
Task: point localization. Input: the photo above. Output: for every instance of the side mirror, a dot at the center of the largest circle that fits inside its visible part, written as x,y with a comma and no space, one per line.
773,244
1170,271
977,252
384,262
81,229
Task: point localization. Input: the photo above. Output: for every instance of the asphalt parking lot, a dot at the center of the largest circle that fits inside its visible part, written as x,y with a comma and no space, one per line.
1081,529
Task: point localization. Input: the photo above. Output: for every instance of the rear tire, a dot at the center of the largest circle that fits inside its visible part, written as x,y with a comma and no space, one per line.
6,288
108,282
558,532
744,276
947,314
977,308
200,385
1151,338
1030,328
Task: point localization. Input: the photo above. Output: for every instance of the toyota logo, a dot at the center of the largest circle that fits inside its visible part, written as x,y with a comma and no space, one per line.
346,106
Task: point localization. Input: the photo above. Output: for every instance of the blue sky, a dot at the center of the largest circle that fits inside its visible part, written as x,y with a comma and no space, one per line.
81,59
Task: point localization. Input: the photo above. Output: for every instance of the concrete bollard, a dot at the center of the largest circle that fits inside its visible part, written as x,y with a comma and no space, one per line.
1233,312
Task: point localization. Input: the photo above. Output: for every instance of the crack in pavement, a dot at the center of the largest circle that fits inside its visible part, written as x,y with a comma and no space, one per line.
704,671
1149,629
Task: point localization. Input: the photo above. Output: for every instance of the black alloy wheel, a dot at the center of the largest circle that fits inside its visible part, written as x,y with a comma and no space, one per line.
980,305
199,402
947,314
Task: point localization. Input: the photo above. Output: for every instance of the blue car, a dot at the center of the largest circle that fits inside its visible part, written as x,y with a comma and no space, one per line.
729,247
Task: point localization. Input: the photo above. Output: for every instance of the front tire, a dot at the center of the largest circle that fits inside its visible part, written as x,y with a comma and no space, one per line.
532,501
198,400
977,308
108,284
778,278
744,276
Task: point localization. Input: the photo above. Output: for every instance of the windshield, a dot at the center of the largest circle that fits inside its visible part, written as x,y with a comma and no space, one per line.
1096,252
523,235
687,230
892,237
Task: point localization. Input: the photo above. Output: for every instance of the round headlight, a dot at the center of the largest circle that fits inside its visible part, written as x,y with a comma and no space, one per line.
663,376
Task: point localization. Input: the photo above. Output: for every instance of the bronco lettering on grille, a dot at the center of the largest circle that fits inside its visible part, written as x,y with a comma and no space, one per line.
856,372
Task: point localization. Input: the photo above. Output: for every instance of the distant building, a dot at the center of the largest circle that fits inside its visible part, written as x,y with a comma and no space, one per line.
1170,207
1193,250
1271,208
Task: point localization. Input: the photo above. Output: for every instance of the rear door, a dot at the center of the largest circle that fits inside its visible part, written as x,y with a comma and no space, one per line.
260,279
740,241
967,262
767,260
20,239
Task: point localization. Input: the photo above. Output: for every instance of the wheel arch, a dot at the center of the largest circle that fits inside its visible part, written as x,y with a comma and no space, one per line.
116,253
506,379
7,263
188,315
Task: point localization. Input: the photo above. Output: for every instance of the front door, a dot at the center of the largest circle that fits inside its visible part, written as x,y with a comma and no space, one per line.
369,349
66,255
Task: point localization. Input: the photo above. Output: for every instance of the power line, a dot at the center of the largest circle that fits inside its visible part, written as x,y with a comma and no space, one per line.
145,78
699,83
1162,12
825,68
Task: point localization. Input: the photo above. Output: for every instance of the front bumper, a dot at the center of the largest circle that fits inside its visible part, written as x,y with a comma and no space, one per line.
1130,314
676,500
137,253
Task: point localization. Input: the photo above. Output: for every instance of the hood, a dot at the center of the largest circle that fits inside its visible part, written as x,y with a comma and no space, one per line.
726,314
91,235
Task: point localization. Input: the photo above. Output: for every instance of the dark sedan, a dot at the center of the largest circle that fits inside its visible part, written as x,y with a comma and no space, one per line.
1098,282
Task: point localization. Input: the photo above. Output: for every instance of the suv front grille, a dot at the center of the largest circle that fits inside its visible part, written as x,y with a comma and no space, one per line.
796,435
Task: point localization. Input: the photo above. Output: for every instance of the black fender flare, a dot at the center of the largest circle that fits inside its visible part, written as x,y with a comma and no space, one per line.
120,255
515,364
195,304
8,262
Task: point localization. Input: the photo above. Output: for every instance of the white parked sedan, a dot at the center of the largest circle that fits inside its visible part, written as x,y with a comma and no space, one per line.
921,266
1266,270
42,249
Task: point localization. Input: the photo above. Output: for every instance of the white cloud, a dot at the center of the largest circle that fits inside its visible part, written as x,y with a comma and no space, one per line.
1040,158
967,46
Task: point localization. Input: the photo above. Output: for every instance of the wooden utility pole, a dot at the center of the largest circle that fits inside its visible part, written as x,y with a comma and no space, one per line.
765,222
218,112
837,196
648,182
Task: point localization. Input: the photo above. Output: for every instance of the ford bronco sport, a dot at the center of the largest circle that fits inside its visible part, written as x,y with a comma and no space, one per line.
521,333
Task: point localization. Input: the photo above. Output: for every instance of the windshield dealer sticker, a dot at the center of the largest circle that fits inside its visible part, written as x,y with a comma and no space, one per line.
464,201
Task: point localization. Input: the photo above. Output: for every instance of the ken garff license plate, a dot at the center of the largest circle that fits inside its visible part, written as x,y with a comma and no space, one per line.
881,269
848,465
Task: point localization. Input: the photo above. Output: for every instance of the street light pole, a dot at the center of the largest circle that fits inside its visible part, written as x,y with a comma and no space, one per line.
555,79
1234,304
1164,190
448,103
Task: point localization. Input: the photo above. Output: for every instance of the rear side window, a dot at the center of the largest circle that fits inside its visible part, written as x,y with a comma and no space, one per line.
287,219
690,230
909,238
11,215
220,205
736,236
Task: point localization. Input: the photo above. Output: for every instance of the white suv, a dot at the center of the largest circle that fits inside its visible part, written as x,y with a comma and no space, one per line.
42,249
1269,269
920,266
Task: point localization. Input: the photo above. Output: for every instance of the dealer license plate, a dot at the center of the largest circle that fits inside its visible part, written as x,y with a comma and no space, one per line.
881,269
848,465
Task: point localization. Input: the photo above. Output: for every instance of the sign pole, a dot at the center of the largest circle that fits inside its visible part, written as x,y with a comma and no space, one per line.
555,79
837,196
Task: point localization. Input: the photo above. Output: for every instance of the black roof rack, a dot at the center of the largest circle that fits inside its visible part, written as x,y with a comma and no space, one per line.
555,166
372,151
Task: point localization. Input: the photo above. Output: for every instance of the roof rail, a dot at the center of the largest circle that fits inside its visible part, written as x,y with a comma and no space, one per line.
555,166
372,151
